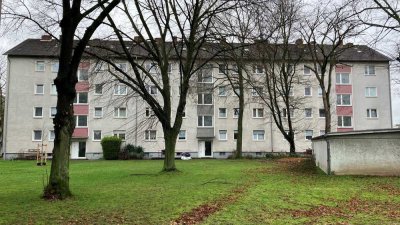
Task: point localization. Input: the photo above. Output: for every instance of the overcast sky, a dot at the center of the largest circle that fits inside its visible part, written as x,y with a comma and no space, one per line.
386,45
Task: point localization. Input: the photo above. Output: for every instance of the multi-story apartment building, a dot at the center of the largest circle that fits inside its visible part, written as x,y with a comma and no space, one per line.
361,100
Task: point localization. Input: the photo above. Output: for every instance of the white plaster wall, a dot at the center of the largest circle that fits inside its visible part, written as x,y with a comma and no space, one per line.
320,153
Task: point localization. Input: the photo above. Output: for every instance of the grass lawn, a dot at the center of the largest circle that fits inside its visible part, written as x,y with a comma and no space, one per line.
134,192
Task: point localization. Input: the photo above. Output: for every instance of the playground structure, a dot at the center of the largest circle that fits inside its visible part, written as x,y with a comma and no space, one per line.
41,154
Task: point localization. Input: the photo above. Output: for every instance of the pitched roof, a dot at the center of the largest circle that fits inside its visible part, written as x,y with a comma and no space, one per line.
51,48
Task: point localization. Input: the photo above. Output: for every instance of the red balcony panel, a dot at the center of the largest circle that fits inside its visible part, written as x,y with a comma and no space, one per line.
80,133
344,129
82,86
81,109
343,69
343,89
344,110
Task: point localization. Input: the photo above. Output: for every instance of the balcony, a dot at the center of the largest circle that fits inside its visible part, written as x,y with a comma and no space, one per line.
205,132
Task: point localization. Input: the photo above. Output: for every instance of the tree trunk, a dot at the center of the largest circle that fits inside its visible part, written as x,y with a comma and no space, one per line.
239,141
170,136
64,124
292,146
328,115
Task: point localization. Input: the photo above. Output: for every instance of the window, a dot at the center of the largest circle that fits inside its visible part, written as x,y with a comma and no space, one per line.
235,134
54,67
204,121
83,73
307,70
369,70
81,121
308,134
182,135
344,121
120,134
38,112
152,89
235,69
236,90
120,89
222,68
205,99
81,98
53,112
97,135
39,89
151,135
258,113
258,135
322,113
319,91
308,112
222,113
342,78
307,91
284,112
372,113
371,92
120,112
256,91
40,66
122,66
98,89
222,135
291,92
37,135
98,112
236,112
205,74
53,90
322,132
52,135
258,69
343,99
152,68
222,91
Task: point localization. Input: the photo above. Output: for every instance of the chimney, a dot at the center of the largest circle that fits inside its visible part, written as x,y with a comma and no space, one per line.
45,37
299,41
175,39
138,39
158,40
340,43
349,45
223,40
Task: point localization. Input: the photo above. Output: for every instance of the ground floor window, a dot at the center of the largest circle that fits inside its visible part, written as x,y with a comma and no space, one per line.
150,135
258,135
182,135
37,135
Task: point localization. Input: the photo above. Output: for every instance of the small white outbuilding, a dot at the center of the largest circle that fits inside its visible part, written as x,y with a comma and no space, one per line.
364,152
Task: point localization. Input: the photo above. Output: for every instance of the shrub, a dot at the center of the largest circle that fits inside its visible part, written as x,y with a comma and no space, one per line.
133,152
111,147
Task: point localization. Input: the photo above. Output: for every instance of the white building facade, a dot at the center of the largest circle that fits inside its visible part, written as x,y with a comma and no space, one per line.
361,100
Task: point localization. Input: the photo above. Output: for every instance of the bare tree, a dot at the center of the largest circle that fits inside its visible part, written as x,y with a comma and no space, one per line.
69,15
324,34
167,31
279,59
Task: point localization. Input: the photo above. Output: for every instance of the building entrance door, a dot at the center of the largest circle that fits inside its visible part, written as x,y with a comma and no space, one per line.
78,150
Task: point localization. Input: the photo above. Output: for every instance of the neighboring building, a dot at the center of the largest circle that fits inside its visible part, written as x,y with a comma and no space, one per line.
361,95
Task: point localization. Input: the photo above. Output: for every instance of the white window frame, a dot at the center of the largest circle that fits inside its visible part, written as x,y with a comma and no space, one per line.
119,65
256,113
305,135
93,136
322,132
203,97
36,91
225,69
224,93
226,135
37,66
33,135
95,89
256,135
235,69
118,88
94,112
53,64
368,92
341,100
184,136
310,91
203,119
34,112
79,74
152,68
369,113
319,113
50,111
304,70
148,135
341,78
204,71
319,91
219,113
152,89
342,119
53,89
284,113
305,112
78,94
117,113
77,121
255,93
256,69
52,132
236,112
367,70
117,133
